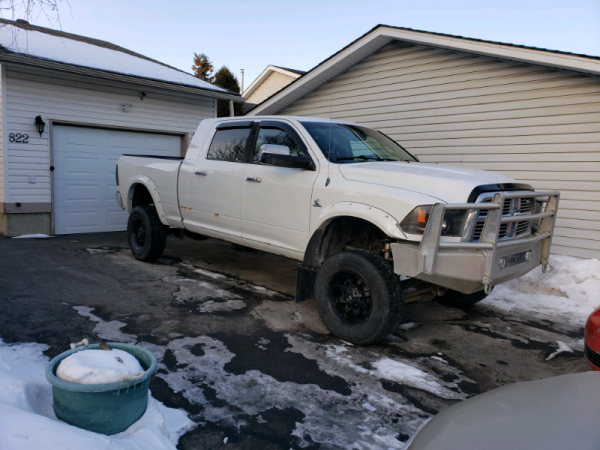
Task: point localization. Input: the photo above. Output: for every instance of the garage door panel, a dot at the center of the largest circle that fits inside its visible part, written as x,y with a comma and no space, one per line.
84,178
162,144
117,219
80,165
125,141
70,221
77,194
82,137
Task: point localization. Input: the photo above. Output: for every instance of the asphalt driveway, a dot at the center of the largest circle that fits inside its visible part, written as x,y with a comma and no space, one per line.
248,363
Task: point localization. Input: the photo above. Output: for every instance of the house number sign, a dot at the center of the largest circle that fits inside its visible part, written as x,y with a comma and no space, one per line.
18,138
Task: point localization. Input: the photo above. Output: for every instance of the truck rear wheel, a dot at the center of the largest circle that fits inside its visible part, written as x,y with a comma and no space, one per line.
358,296
455,298
146,235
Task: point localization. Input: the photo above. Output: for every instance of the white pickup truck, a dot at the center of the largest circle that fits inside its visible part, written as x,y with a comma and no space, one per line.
372,227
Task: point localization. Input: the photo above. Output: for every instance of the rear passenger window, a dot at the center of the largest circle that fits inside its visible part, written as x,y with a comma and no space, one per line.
229,144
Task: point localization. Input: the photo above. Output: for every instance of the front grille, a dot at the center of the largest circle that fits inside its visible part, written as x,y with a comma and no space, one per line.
507,230
591,356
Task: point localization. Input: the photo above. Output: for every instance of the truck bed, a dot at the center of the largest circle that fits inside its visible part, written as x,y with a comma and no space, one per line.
159,174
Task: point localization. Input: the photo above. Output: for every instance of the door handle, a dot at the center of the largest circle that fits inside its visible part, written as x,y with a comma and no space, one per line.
253,179
201,172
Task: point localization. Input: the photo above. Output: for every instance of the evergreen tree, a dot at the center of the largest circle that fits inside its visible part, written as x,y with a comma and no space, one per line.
225,79
202,67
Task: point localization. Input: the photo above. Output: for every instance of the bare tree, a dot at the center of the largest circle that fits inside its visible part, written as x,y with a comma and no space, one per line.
30,10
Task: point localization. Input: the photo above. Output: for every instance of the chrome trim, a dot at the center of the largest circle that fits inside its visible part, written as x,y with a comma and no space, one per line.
119,199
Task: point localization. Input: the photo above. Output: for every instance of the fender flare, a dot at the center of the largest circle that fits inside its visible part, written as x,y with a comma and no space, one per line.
151,187
318,244
379,218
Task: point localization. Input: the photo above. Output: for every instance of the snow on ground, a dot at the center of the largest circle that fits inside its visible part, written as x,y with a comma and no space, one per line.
62,49
27,420
562,348
570,288
32,236
390,369
111,331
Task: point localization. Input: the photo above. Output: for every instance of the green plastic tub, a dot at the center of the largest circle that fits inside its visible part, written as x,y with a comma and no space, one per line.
102,408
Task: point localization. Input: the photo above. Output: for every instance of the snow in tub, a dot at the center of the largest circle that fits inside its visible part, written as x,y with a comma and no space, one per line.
101,387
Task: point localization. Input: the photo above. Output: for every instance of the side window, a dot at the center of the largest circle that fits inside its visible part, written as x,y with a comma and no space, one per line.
277,136
229,144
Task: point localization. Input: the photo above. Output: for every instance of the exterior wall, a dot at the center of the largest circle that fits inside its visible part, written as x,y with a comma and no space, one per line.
535,124
272,84
2,84
27,95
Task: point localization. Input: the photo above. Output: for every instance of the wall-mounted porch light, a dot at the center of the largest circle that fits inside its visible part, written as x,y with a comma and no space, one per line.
39,125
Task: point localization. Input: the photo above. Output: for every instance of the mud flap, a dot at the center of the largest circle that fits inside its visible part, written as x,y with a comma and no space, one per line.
305,282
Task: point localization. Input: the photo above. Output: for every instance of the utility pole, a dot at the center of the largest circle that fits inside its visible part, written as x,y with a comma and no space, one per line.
241,80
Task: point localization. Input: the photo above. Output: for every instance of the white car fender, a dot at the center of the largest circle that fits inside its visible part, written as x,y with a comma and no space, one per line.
149,184
383,220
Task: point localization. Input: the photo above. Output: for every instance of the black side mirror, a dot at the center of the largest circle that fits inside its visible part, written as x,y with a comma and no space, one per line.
291,162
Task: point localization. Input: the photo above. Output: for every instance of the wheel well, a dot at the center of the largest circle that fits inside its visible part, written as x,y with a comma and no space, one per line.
140,196
343,232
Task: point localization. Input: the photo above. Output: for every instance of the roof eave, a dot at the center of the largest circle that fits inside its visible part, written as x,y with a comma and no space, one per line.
264,75
81,70
383,34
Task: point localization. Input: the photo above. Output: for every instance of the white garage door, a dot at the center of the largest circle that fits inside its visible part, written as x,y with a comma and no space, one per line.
84,177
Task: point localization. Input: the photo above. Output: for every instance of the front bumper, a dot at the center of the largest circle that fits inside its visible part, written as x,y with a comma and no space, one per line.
469,267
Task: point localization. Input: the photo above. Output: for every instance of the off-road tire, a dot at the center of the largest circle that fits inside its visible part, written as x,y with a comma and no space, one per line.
150,245
460,300
382,285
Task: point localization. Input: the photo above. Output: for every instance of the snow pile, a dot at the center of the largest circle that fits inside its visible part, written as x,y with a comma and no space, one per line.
32,236
27,420
570,288
99,367
63,49
409,375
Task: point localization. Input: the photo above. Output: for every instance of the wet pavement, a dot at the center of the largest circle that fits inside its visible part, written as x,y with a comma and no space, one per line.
254,368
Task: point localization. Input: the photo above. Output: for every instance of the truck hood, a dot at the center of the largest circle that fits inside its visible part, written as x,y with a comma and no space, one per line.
451,184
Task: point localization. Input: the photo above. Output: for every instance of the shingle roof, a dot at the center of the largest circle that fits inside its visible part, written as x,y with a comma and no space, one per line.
299,72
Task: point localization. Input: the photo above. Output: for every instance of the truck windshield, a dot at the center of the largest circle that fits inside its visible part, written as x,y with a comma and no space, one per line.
352,143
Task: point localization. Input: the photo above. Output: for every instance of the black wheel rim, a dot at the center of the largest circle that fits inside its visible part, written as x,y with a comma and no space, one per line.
139,233
350,298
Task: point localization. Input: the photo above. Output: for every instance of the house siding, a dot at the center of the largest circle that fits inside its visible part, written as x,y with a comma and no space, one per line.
56,99
535,124
272,84
2,101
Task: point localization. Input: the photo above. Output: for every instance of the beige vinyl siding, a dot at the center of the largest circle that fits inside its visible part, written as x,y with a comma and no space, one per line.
272,84
28,95
535,124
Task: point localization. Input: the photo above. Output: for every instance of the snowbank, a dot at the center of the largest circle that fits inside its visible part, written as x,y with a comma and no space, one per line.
32,236
99,367
569,288
27,420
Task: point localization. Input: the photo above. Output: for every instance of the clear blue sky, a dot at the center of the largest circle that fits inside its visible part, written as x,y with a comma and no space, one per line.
253,34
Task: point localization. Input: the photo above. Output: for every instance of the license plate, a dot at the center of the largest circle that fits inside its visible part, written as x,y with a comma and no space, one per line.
515,259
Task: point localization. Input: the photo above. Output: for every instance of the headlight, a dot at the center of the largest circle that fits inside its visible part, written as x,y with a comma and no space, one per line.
416,221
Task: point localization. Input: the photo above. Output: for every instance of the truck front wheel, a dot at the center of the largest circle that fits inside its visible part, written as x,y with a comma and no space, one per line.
358,296
146,235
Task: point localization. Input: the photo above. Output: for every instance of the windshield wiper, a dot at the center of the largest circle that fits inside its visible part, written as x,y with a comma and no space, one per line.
363,157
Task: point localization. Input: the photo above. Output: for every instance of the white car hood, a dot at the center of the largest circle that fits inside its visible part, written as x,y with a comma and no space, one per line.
451,184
